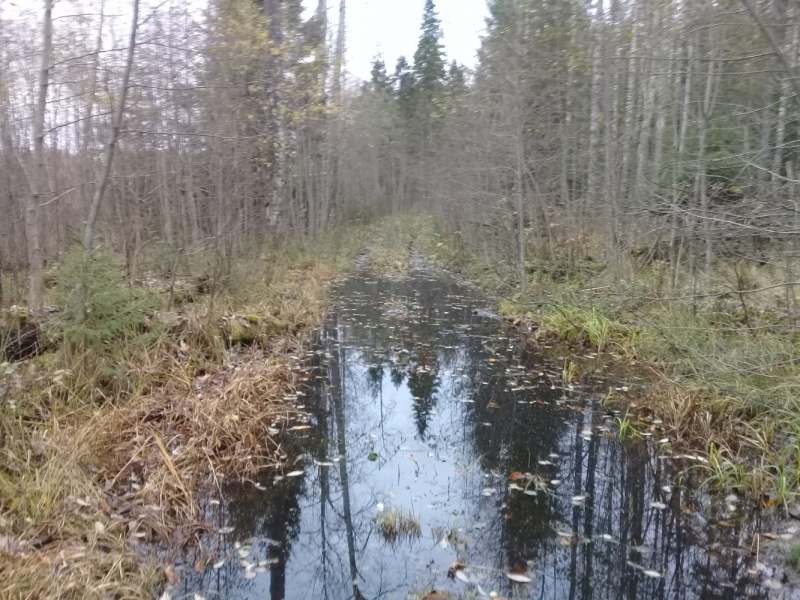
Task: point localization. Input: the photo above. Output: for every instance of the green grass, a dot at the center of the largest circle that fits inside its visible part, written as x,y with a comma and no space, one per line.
793,558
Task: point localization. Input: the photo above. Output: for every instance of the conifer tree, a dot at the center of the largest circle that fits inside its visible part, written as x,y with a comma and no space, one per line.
428,59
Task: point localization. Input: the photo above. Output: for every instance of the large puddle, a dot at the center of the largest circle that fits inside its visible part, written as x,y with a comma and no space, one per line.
438,438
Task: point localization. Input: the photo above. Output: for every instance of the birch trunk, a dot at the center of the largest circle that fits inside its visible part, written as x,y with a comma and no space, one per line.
37,176
108,160
596,115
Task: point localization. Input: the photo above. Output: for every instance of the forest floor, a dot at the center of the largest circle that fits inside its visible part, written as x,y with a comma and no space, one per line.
107,435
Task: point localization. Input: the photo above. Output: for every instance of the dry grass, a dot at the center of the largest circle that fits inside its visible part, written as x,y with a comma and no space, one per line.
392,244
726,373
398,523
93,470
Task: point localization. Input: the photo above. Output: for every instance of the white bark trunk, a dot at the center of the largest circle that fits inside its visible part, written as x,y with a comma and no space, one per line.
108,160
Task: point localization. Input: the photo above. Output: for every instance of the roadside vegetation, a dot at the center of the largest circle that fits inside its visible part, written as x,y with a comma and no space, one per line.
129,406
723,366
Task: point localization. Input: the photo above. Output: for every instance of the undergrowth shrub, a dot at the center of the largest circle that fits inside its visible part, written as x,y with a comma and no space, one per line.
100,312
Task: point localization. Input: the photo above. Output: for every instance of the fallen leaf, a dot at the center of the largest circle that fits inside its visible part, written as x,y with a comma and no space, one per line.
219,564
515,475
372,456
462,576
519,578
299,427
295,474
653,574
199,566
172,576
454,567
726,524
225,530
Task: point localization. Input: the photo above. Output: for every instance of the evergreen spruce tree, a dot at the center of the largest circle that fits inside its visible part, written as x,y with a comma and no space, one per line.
428,59
404,85
380,79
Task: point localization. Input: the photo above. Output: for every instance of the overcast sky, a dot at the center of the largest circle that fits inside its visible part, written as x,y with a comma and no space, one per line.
392,28
387,27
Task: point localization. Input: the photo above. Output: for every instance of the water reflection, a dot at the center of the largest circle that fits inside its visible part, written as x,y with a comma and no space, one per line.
421,406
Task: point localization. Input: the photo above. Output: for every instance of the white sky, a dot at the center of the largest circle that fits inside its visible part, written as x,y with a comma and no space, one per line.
392,28
387,27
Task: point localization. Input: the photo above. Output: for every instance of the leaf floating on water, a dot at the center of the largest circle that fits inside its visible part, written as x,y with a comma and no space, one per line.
565,534
545,463
515,476
250,572
519,578
372,457
653,574
225,530
219,564
658,505
726,524
299,427
608,537
172,576
295,474
642,549
454,568
488,491
578,500
462,576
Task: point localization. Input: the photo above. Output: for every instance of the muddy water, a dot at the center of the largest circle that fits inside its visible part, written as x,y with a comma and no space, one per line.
422,408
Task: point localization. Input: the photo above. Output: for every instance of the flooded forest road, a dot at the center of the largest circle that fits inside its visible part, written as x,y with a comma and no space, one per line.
436,437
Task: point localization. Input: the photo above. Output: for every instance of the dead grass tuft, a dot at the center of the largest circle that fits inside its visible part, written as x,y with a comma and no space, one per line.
101,457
